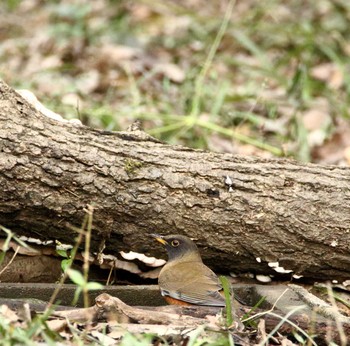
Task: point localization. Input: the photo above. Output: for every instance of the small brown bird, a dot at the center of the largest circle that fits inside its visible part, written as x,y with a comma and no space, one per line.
185,279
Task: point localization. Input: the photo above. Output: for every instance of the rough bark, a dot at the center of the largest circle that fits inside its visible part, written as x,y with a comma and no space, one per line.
276,210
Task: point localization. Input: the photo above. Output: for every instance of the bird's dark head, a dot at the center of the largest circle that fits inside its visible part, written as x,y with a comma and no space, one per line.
179,247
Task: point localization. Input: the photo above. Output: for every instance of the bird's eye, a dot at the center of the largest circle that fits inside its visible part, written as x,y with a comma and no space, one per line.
175,243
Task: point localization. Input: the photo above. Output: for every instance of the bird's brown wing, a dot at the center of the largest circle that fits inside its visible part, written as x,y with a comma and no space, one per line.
192,282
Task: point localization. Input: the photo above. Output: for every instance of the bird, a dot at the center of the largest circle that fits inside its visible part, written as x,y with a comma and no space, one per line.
185,279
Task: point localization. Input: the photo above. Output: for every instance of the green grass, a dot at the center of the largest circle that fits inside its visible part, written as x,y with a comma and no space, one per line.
242,71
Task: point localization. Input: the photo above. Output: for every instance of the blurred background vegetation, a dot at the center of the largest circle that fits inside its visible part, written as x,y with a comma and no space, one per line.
266,78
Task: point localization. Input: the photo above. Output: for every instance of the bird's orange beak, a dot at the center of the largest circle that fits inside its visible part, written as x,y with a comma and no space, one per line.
159,238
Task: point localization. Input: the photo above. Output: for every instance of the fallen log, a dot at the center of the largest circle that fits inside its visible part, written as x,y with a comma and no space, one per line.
273,216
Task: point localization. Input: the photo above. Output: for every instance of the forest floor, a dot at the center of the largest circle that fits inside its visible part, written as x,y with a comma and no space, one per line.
264,78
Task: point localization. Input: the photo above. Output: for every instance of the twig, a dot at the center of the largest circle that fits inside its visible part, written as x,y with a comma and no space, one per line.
338,321
89,211
73,254
324,309
266,312
11,260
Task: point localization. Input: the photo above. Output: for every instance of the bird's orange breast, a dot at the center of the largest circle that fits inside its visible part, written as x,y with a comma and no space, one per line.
173,301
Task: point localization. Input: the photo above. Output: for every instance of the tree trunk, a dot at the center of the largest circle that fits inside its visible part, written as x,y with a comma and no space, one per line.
273,210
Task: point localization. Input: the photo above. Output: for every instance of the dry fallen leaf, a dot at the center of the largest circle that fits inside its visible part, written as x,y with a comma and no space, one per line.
333,151
57,325
29,251
8,314
104,339
347,155
117,53
171,71
329,73
118,264
88,82
315,119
